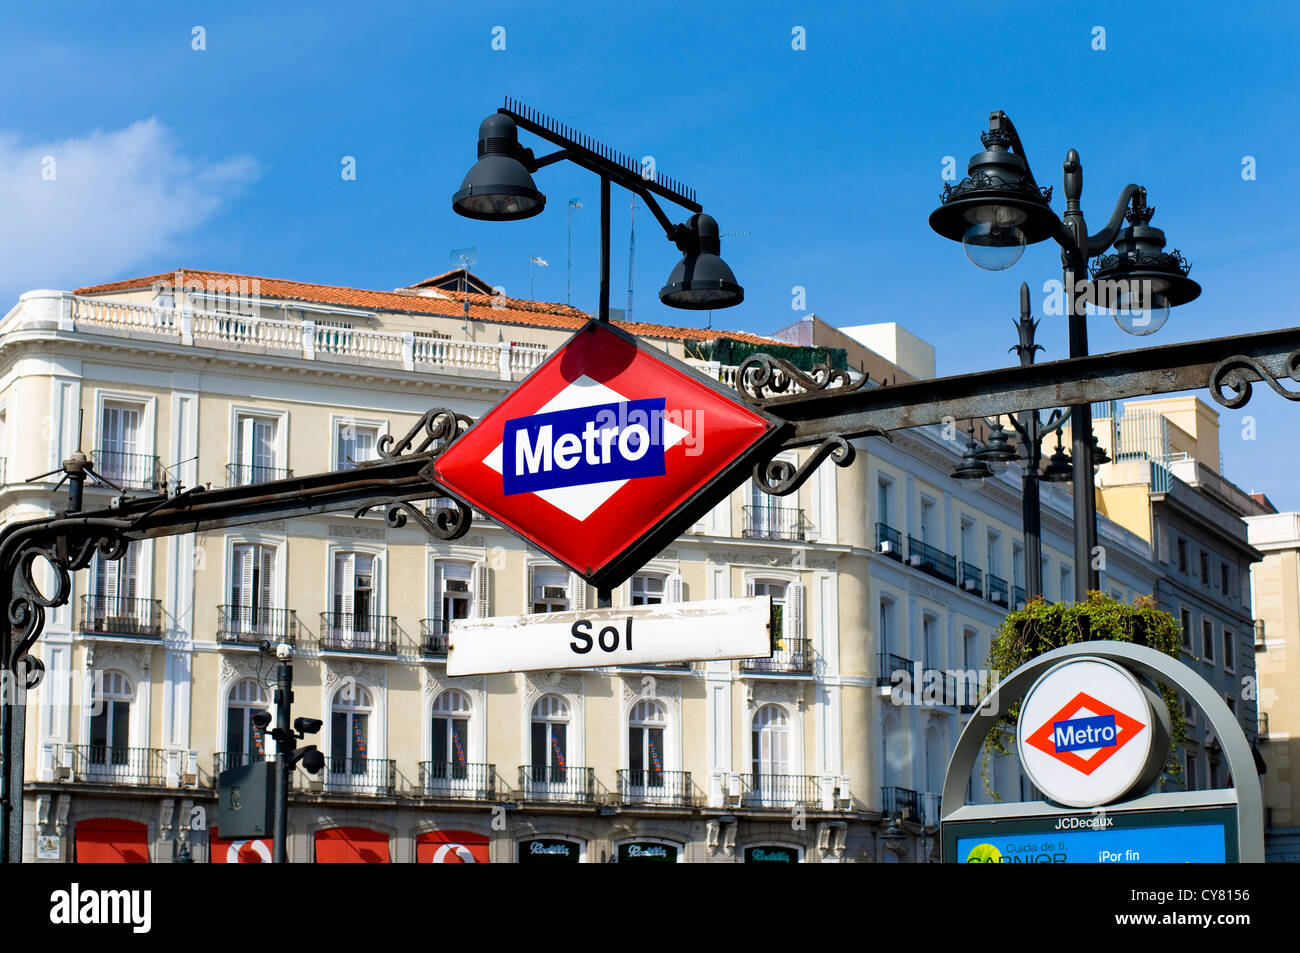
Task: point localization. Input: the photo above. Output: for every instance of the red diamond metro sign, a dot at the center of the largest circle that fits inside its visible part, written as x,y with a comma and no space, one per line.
606,453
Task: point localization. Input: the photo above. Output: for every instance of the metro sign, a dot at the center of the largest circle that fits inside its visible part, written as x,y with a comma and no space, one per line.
1086,733
606,453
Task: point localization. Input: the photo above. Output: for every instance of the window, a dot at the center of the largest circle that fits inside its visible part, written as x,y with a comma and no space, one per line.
1207,640
883,488
770,740
645,744
1182,555
1067,584
967,540
886,636
927,521
1229,655
1185,618
995,553
113,605
350,730
110,724
1223,578
356,607
256,450
119,456
456,589
450,736
1205,569
245,742
252,587
1017,564
353,444
550,737
550,590
970,650
1189,711
777,591
932,641
1192,782
649,589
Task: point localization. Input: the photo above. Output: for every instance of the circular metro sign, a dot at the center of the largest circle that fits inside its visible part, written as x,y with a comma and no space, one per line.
1085,733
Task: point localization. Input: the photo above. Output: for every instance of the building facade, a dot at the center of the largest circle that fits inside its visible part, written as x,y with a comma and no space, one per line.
887,578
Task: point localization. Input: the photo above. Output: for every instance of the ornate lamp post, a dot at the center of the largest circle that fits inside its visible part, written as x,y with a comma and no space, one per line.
999,208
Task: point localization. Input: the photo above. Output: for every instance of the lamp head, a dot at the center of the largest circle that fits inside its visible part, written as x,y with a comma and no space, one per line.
499,187
1141,281
701,281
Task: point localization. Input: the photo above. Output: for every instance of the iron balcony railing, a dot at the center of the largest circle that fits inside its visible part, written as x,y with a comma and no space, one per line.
111,615
972,579
545,782
932,561
1018,597
655,787
780,790
130,471
460,780
107,764
903,803
433,637
250,625
225,760
246,474
891,667
347,632
998,591
889,541
360,775
788,655
774,522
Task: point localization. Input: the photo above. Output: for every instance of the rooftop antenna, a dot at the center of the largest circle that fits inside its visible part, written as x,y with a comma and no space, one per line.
631,257
464,259
534,260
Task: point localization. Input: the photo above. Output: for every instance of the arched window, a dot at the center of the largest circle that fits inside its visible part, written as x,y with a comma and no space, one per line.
350,729
110,722
244,740
645,745
550,739
451,713
770,750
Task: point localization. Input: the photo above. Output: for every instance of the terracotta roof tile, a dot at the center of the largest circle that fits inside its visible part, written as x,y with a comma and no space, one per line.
497,310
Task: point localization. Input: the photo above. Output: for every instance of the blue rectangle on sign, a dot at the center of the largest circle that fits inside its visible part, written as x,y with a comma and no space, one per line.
1079,734
1190,843
584,445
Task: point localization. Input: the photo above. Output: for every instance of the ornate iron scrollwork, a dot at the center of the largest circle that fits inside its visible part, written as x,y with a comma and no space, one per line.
446,522
1233,373
432,433
762,377
781,477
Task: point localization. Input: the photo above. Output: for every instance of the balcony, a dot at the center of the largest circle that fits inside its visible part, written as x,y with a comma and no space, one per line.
569,785
789,656
101,764
127,618
892,666
347,632
225,760
375,776
470,782
637,786
433,638
932,561
889,541
251,625
1018,597
971,579
246,474
130,471
903,803
774,522
780,790
998,592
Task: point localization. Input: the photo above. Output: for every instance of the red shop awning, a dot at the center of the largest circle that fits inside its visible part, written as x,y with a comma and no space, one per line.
451,847
238,851
110,840
351,845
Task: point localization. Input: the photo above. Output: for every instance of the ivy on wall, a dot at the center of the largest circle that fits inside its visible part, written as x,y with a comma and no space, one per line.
1042,626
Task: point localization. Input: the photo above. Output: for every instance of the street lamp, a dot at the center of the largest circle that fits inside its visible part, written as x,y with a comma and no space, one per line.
500,187
999,208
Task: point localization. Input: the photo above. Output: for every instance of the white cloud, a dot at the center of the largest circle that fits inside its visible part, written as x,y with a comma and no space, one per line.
116,202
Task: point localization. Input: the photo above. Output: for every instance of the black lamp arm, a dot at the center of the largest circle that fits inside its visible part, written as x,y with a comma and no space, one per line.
1103,239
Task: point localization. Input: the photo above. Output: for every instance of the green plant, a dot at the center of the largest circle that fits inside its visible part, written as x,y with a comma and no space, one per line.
1042,626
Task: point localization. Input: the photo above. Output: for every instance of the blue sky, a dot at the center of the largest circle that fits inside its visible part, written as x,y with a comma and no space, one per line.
828,159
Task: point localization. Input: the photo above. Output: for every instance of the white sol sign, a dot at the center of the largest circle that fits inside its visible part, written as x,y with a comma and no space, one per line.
1085,733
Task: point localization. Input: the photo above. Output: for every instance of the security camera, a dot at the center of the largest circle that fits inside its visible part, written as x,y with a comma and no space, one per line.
284,651
306,726
312,760
261,719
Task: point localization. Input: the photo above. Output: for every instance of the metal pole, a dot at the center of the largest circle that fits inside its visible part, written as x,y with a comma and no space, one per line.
283,751
603,314
1031,510
1074,270
568,266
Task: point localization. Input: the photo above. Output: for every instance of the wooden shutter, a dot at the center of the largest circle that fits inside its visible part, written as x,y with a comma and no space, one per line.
673,588
436,584
482,591
344,585
794,606
528,593
750,588
244,452
266,556
577,593
126,578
